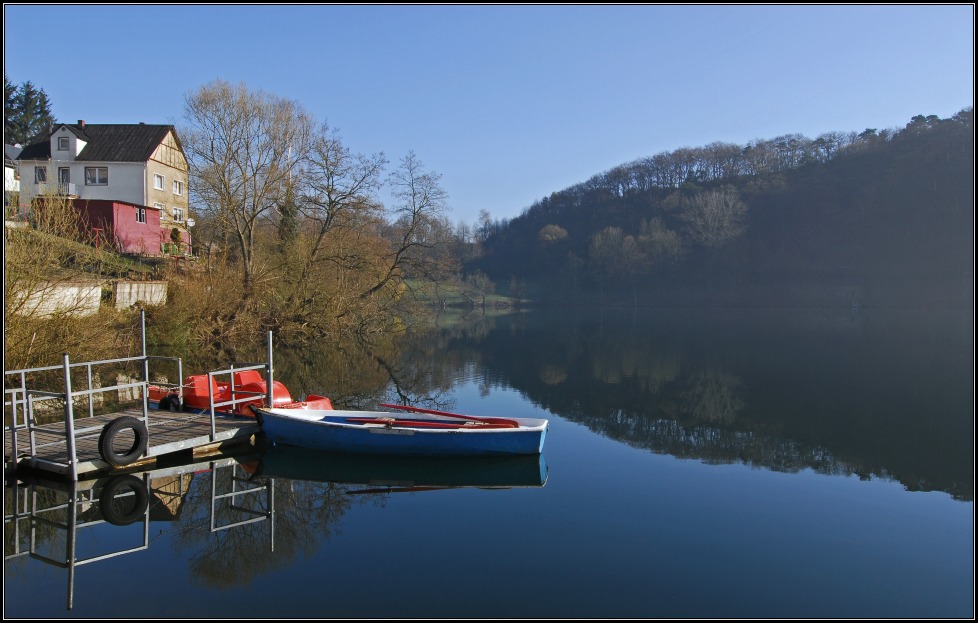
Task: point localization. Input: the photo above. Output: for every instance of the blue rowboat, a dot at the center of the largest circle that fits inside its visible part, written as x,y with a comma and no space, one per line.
421,433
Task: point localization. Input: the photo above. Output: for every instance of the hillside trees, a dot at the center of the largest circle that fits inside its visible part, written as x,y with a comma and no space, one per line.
714,217
886,207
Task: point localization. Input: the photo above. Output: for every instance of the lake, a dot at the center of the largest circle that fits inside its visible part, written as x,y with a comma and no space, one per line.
725,464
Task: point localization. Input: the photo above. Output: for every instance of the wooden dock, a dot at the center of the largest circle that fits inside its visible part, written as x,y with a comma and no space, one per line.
168,433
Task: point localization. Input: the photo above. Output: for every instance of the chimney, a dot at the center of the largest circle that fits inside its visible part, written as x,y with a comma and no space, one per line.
81,123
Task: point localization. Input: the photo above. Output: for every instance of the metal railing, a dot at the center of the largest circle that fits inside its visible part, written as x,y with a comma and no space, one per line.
20,399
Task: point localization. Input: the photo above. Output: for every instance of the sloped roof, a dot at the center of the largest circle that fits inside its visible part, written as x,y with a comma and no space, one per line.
106,142
10,153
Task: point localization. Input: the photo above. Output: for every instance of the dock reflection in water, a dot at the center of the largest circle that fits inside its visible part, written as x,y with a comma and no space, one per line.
71,524
64,523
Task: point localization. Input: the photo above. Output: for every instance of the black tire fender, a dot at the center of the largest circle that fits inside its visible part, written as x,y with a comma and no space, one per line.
122,511
106,440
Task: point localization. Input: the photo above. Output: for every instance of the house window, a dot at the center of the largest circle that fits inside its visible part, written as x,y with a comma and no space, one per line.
63,143
140,214
96,176
40,175
177,187
158,181
178,215
162,209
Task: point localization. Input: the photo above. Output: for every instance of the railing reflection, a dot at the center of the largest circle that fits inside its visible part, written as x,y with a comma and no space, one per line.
46,520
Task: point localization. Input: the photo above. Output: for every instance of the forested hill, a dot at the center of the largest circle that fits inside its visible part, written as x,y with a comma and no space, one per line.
884,215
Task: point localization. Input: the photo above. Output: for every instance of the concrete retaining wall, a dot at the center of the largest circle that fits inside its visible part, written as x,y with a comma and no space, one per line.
75,299
129,293
84,298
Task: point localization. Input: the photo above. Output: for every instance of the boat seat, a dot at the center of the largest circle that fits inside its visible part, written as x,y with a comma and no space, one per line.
198,385
246,377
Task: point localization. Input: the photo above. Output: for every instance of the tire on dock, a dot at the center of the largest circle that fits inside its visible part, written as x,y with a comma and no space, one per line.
107,441
171,402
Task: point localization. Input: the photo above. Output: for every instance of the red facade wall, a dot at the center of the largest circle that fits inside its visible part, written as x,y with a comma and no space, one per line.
118,223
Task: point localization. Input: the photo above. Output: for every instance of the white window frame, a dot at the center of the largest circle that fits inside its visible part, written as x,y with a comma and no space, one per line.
177,187
178,215
162,208
40,175
64,140
100,180
140,214
159,182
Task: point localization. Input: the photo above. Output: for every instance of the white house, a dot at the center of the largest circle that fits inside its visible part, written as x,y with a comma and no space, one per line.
11,178
139,165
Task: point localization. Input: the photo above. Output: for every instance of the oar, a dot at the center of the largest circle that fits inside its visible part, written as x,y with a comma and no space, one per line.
494,420
424,423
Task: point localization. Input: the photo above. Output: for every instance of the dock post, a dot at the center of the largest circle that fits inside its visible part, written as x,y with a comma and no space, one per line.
70,420
145,389
210,398
270,375
71,534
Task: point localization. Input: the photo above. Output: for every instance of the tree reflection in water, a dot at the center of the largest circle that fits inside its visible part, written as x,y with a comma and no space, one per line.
306,514
714,396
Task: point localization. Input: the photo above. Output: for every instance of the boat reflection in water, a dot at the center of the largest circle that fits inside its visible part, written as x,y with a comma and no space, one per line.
386,474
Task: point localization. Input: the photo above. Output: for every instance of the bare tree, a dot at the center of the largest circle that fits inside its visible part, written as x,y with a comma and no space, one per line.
484,226
481,285
242,147
339,193
614,254
714,217
419,225
658,243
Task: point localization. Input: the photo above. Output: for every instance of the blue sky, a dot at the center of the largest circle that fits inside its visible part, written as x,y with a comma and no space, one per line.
511,102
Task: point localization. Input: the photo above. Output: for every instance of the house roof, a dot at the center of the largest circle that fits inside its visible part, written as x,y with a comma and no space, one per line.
106,142
10,153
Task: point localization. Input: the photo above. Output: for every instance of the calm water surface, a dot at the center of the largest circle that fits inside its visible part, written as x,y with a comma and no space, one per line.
802,464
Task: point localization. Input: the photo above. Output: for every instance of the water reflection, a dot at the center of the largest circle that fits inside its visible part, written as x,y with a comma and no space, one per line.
383,473
71,524
234,518
870,393
873,394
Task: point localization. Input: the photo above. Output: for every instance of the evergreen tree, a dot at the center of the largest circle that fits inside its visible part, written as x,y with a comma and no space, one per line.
288,226
9,93
27,112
